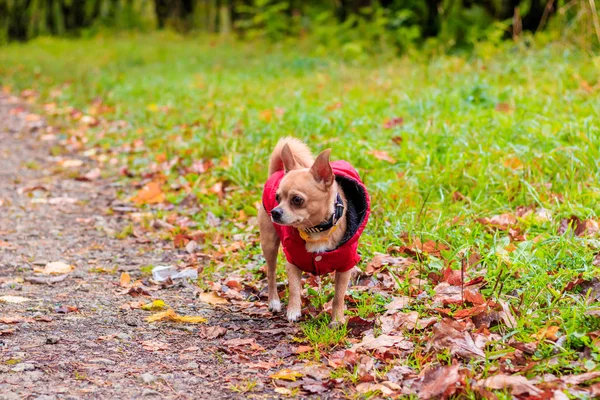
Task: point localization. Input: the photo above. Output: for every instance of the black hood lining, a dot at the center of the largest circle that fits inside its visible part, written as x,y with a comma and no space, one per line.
356,208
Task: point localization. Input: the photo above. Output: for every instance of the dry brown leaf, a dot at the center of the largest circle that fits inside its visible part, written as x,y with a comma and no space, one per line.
150,194
518,385
386,388
211,332
125,280
439,382
383,342
452,335
578,227
212,298
55,268
380,260
154,345
382,155
392,122
501,222
398,303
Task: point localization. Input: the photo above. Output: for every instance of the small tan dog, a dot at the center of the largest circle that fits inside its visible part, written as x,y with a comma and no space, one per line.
317,210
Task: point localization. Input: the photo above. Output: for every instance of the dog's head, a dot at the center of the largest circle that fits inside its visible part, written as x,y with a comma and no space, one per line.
306,195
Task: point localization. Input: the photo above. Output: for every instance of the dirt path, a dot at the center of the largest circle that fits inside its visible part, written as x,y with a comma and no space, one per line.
77,338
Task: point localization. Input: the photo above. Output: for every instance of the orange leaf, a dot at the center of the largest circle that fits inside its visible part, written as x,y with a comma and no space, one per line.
266,115
382,155
125,280
547,333
150,194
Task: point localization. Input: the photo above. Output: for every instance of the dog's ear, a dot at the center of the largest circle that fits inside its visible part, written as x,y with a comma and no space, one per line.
321,169
287,157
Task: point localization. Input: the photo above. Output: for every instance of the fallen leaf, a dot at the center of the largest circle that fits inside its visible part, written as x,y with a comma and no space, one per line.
382,155
513,163
398,303
503,107
266,115
286,375
66,309
519,385
171,315
334,106
154,345
548,332
212,298
156,305
381,260
45,280
382,342
72,163
439,382
14,299
500,222
125,280
578,227
15,320
357,325
150,194
283,391
55,268
452,335
384,388
6,332
393,122
89,176
211,332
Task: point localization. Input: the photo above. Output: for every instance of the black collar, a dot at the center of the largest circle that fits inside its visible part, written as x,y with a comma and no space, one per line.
335,218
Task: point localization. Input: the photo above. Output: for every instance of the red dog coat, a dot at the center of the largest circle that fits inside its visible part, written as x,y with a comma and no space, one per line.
345,256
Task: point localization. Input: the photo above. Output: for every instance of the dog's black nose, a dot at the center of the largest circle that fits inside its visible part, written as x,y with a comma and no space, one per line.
276,214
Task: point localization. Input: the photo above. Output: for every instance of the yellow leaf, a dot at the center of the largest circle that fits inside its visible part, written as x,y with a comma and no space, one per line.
125,279
150,194
172,316
286,375
211,298
154,306
162,316
56,267
190,319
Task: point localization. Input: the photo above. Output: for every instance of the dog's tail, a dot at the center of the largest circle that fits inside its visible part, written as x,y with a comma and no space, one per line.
302,154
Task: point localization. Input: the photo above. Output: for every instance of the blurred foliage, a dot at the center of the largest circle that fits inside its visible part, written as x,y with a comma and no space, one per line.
354,27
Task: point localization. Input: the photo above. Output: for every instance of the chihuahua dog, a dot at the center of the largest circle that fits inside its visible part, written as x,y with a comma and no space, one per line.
317,211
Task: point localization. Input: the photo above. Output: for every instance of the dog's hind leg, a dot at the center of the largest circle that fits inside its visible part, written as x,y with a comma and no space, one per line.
269,242
341,285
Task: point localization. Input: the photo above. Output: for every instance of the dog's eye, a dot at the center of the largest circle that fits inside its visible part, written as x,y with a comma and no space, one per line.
297,200
277,198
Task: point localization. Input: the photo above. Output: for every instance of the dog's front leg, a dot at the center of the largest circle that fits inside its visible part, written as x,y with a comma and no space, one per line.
341,284
269,242
294,309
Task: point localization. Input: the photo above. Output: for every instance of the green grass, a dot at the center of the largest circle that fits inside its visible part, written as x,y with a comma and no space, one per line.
507,127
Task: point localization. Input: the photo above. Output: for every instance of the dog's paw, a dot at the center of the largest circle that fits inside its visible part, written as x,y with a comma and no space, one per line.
293,315
335,324
275,305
